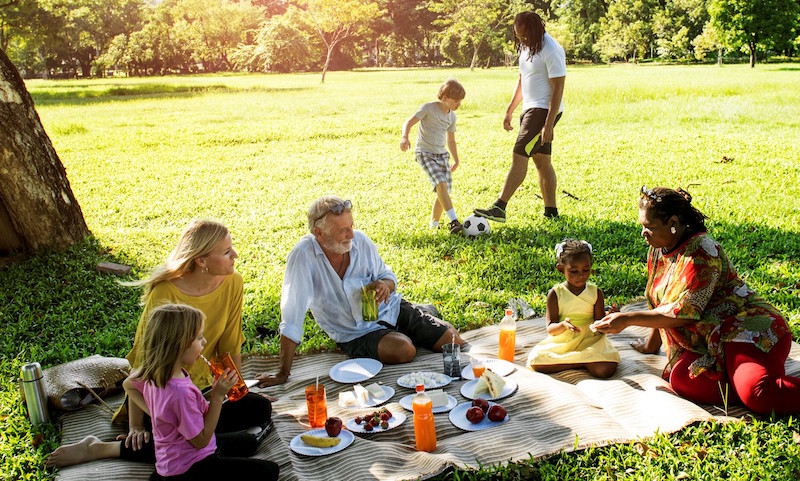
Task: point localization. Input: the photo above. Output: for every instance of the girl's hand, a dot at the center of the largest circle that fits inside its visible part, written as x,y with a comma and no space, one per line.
223,384
567,323
137,437
613,323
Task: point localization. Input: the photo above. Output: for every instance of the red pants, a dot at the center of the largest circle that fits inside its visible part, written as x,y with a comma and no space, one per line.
756,378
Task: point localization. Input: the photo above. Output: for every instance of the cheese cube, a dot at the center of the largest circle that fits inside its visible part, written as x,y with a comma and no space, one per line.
347,399
438,397
362,395
375,390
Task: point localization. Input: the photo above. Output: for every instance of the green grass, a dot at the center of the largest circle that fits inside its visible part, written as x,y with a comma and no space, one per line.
146,155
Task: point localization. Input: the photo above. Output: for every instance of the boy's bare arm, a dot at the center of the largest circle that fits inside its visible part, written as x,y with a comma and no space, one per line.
404,143
451,146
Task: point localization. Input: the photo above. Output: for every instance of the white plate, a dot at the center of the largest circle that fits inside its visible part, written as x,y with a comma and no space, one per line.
297,445
355,370
394,421
458,416
498,366
251,382
451,403
468,390
434,379
388,392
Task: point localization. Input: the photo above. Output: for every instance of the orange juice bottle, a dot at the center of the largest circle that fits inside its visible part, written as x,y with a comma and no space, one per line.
424,426
508,335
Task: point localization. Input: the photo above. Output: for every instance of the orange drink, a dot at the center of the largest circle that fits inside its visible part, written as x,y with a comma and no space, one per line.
315,402
507,341
477,368
508,337
218,366
424,425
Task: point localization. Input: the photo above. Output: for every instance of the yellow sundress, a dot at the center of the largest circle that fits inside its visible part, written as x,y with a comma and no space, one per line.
574,347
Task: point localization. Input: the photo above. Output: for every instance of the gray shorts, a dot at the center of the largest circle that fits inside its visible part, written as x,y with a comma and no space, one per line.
437,166
420,326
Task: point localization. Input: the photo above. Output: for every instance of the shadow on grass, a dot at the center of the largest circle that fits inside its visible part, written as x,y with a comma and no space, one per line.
75,95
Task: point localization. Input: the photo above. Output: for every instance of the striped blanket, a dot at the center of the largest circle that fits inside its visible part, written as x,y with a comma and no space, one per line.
547,414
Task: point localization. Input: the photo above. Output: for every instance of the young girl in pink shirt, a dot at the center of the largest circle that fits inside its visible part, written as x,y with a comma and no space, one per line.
183,422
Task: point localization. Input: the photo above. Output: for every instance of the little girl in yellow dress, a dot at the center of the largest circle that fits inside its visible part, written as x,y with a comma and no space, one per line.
571,307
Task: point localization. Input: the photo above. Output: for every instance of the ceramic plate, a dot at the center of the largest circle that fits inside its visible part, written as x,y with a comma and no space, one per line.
458,416
432,380
451,403
468,390
251,382
498,366
355,370
297,445
388,392
394,421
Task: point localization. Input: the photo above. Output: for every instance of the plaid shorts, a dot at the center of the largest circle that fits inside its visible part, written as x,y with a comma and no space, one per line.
437,166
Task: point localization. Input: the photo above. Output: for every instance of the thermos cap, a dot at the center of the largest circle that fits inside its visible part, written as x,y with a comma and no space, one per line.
31,372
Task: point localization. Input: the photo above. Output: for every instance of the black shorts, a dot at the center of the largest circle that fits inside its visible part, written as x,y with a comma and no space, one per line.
421,327
530,127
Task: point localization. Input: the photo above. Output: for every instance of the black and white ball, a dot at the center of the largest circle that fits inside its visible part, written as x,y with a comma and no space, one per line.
475,226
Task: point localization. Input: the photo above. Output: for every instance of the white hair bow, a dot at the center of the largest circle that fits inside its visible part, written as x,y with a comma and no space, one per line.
560,248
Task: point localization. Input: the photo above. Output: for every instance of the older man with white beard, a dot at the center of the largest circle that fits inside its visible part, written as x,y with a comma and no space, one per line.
325,272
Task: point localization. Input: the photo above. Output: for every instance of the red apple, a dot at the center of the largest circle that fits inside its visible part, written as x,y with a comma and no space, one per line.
333,426
481,403
497,413
475,414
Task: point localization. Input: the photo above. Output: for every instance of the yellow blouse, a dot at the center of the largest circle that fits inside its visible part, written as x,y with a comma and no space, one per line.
223,329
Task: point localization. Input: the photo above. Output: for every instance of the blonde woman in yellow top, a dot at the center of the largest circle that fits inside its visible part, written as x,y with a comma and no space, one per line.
200,273
572,307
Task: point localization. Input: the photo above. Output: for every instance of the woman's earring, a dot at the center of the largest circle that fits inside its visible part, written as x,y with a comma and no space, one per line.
205,269
672,229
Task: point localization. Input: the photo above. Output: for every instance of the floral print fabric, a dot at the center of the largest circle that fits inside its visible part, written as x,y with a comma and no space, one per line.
697,281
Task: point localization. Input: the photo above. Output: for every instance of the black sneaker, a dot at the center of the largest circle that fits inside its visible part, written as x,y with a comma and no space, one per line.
456,227
494,213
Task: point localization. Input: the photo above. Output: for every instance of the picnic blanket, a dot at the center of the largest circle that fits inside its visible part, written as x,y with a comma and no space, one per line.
547,414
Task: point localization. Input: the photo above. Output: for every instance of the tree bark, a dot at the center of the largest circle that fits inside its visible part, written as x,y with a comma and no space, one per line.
38,199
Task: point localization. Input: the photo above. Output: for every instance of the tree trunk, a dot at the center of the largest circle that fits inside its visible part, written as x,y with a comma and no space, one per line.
474,56
327,62
752,46
34,188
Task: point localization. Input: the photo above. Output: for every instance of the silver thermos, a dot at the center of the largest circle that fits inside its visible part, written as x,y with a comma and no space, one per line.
34,392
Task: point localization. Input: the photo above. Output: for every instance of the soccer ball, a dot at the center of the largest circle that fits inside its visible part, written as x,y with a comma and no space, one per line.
475,226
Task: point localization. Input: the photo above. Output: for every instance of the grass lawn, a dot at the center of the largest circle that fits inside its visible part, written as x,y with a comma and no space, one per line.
146,155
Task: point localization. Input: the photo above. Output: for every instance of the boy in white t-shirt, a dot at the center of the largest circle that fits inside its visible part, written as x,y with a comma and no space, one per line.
436,135
540,87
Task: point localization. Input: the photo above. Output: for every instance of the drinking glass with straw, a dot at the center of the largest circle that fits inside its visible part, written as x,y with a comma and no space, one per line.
315,402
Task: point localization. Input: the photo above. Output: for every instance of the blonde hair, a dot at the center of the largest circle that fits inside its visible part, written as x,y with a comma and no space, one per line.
318,212
198,239
452,89
170,331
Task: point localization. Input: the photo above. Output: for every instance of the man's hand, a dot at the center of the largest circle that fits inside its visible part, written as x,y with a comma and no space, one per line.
404,144
382,290
454,166
507,122
266,380
547,133
137,437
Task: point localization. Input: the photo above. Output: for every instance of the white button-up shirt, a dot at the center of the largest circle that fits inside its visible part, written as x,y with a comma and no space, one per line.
311,283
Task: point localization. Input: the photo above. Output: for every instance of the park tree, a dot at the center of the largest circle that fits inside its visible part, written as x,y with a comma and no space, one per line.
37,206
340,21
626,29
676,24
477,23
284,43
578,25
756,24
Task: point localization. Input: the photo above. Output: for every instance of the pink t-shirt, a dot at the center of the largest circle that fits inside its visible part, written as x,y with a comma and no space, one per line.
177,411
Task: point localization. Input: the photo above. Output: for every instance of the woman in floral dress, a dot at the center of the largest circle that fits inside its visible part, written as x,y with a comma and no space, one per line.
717,331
